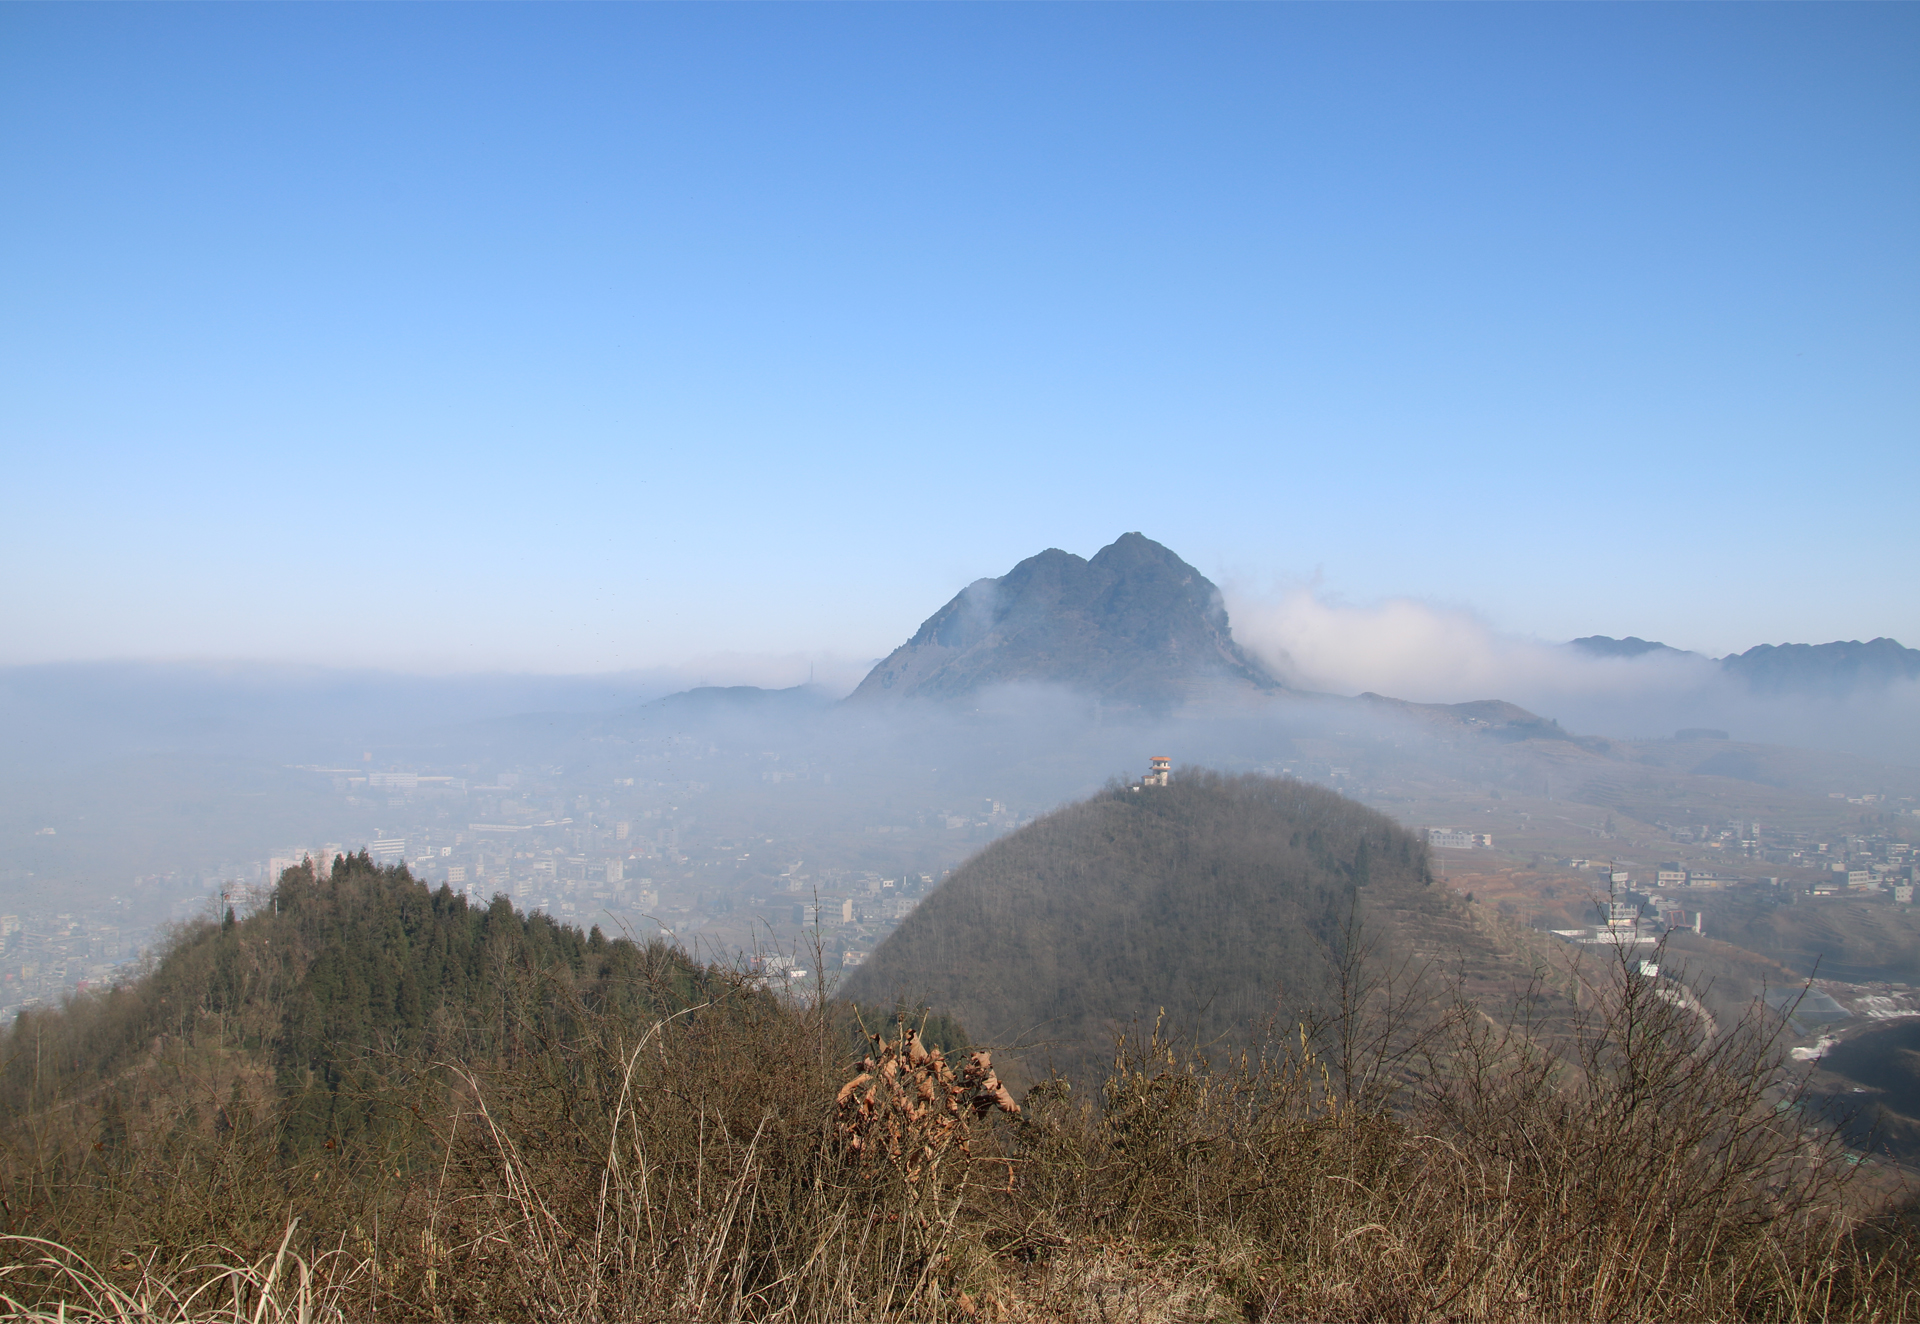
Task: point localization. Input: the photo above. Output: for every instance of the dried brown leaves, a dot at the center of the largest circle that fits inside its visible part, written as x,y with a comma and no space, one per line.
907,1108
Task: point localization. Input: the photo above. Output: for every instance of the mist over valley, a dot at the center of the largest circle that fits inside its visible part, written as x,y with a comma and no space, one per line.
743,821
756,664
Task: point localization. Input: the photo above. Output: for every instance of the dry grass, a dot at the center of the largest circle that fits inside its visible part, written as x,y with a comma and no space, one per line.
282,1289
737,1160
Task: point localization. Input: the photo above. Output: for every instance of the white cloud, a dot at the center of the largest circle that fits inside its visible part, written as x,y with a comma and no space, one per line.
1416,650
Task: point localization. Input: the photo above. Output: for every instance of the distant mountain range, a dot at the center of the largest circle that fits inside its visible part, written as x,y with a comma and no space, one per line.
1138,627
1833,669
1135,625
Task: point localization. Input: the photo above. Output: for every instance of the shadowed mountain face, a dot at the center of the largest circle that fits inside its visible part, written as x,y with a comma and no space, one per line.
1884,1063
1136,625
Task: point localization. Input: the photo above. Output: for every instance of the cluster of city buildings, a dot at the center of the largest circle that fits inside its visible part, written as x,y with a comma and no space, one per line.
1767,843
1638,917
1663,898
44,954
1446,838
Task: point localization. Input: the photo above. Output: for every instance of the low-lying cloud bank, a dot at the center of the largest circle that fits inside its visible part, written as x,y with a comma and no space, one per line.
1431,654
57,714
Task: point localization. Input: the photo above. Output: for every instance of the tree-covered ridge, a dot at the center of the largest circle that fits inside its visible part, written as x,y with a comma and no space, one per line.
1206,897
337,1060
331,1002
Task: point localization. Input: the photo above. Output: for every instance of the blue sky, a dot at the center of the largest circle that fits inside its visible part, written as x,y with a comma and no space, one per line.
585,338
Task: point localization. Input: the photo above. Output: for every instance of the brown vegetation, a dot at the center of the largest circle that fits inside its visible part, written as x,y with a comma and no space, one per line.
735,1157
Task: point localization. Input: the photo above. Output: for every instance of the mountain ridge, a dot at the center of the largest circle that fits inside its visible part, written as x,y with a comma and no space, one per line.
1834,669
1600,645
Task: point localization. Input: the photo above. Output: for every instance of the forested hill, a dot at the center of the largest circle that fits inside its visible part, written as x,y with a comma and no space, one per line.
319,1007
1206,897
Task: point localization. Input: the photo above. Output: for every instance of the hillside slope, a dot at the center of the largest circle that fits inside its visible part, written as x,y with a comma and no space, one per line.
322,1016
1210,898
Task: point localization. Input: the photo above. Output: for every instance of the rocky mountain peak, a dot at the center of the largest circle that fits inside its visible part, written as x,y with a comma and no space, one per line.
1134,625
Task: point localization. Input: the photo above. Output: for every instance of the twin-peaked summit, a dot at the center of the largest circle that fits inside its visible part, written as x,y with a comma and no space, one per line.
1134,625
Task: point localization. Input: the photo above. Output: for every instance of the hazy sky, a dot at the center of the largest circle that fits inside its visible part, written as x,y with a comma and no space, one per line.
579,338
